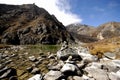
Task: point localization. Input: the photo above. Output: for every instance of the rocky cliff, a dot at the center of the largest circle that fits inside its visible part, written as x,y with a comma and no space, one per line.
29,24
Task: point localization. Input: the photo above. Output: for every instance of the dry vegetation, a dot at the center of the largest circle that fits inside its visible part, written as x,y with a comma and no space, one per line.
106,45
4,46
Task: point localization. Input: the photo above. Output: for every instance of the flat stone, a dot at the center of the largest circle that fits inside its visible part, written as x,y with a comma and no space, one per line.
110,55
97,74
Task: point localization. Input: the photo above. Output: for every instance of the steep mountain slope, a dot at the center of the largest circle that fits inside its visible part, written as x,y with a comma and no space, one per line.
81,32
29,24
81,29
108,30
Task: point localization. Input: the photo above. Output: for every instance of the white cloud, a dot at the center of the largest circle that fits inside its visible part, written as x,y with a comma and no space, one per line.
60,8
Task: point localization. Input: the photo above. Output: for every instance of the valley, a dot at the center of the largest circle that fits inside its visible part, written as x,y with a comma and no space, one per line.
34,45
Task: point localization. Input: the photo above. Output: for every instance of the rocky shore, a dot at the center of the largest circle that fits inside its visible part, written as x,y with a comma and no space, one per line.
69,63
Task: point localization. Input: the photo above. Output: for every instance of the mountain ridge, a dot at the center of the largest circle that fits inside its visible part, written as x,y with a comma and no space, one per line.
103,31
29,24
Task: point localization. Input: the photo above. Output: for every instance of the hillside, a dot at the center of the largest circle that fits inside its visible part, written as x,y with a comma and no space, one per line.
108,30
82,32
85,33
106,45
29,24
81,29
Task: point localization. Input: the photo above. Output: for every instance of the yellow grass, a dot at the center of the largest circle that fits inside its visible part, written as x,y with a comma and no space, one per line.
103,46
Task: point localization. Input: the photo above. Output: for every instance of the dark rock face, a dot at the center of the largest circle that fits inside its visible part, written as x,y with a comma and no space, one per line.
29,24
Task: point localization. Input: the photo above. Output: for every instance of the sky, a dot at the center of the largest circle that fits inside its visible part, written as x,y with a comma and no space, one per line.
89,12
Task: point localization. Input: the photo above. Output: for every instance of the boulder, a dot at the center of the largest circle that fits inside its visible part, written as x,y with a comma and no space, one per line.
36,77
117,62
95,65
118,73
56,67
54,75
64,54
111,66
32,58
113,76
88,57
71,69
97,74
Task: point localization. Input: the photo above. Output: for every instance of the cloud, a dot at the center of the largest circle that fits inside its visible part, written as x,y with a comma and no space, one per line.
60,8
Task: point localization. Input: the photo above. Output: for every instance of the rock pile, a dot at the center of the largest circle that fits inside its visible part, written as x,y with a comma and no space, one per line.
70,63
88,67
17,63
5,71
10,62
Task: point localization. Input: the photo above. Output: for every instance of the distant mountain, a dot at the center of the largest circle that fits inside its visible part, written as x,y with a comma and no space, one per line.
87,33
108,30
83,33
29,24
81,29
